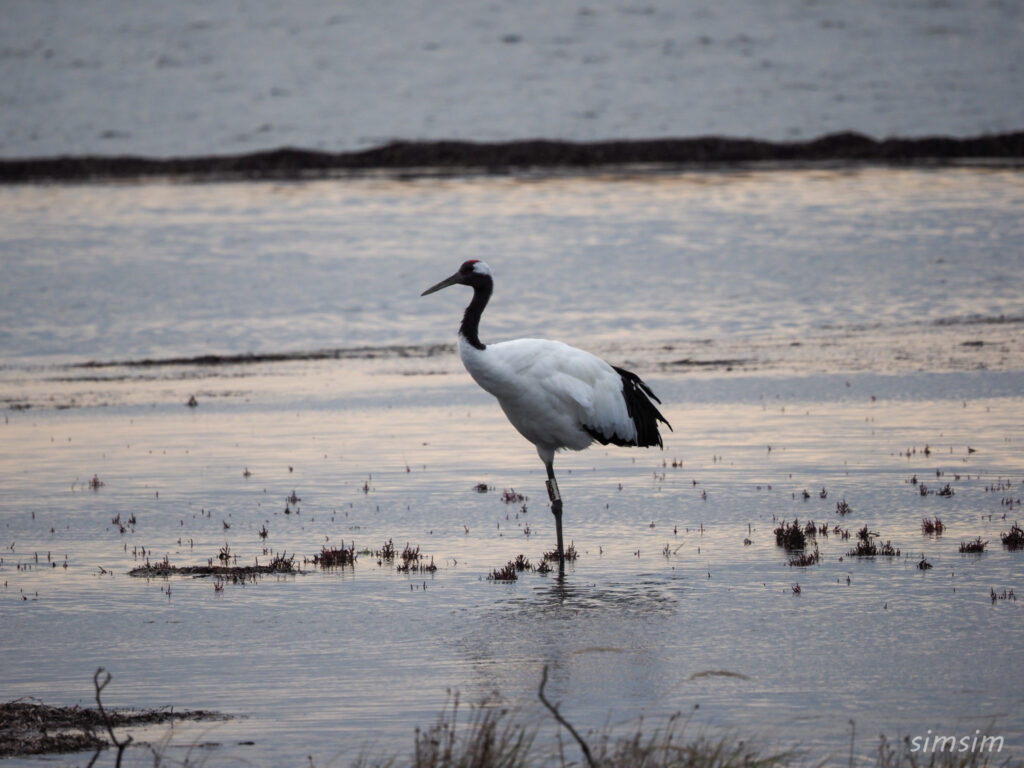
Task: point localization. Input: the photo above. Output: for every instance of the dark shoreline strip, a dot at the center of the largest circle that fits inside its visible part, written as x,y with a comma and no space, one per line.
252,358
424,157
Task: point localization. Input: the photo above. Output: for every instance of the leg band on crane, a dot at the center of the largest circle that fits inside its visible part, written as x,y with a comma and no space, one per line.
553,494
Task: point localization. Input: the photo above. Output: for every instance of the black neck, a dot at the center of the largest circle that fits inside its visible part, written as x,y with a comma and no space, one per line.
470,328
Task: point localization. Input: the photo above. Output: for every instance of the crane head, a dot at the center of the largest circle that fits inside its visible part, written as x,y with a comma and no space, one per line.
471,272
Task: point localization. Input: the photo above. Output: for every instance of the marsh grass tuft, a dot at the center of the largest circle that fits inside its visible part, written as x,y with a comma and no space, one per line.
790,535
866,547
507,572
668,747
510,496
511,570
336,557
413,561
386,553
806,558
571,555
975,546
492,738
487,739
1013,540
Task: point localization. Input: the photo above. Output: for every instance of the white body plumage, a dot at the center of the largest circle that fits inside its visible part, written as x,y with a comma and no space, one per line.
551,391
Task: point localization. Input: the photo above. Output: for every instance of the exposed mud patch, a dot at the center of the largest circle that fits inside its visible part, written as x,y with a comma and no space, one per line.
281,564
29,728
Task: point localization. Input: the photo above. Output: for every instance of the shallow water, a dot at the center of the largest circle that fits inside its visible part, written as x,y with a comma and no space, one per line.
843,320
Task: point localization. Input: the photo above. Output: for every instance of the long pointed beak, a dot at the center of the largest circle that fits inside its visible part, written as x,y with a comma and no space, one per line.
443,284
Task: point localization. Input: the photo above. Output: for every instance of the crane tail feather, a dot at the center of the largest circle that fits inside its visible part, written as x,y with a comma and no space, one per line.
642,411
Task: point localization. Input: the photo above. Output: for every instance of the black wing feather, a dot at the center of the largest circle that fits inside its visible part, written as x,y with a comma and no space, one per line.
641,410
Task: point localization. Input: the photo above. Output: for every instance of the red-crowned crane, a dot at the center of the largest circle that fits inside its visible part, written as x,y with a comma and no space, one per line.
557,396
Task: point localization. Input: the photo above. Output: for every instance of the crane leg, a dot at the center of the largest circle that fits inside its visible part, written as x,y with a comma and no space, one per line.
556,510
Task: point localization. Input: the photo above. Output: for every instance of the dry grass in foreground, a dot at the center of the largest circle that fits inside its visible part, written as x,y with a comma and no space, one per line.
493,739
490,737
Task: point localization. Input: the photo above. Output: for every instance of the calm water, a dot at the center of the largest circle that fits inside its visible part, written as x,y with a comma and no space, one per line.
845,319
